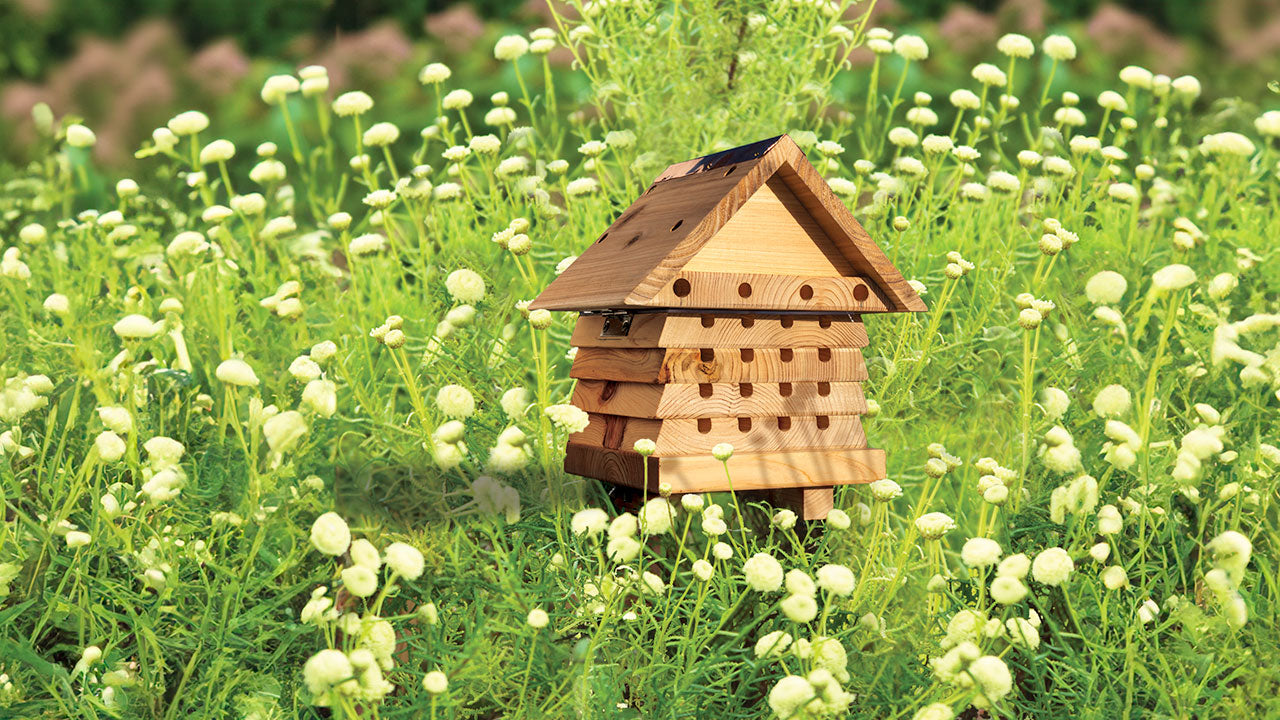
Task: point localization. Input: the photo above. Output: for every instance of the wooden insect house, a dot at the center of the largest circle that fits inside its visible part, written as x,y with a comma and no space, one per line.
725,306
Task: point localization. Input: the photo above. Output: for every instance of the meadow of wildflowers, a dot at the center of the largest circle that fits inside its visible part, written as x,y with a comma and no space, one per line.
279,437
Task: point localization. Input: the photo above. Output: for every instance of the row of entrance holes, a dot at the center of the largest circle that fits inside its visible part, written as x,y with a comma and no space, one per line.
786,322
682,288
746,390
744,423
707,355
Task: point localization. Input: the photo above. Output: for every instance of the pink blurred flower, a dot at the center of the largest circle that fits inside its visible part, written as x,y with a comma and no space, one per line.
968,31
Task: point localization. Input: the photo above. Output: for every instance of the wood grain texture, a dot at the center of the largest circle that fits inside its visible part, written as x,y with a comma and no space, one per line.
771,233
711,400
786,159
671,330
717,365
757,291
836,219
748,435
749,471
641,252
684,209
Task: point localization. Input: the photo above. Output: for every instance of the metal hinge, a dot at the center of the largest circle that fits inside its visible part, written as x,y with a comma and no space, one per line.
616,324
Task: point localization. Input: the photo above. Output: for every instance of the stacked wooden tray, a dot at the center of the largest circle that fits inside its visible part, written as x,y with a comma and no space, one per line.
784,390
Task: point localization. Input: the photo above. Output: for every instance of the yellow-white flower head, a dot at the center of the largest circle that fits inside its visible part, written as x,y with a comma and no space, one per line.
404,560
1173,277
1059,47
1016,46
236,372
457,99
434,74
510,47
320,396
590,522
980,552
989,74
351,103
789,695
80,136
911,47
1008,590
1227,144
435,682
330,534
1105,288
381,134
836,579
657,516
315,80
188,123
136,327
110,446
799,608
278,88
1136,76
934,525
465,286
284,430
1052,566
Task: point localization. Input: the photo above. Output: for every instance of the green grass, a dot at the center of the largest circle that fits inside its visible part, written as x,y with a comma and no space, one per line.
194,578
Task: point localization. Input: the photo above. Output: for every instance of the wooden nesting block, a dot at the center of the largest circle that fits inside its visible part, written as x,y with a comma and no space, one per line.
691,437
667,330
712,400
748,471
710,365
730,291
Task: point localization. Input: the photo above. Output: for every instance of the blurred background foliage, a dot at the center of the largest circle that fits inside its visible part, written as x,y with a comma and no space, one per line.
125,66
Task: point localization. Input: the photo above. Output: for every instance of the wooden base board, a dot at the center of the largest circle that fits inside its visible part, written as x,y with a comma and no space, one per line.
803,469
713,400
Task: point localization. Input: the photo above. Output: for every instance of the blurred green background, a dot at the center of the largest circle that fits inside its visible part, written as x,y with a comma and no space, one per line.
127,66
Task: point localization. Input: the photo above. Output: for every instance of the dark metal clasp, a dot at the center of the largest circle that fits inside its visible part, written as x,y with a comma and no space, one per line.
616,324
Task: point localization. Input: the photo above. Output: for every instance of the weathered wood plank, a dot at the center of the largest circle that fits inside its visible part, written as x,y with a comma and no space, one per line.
750,435
666,330
710,365
747,471
710,400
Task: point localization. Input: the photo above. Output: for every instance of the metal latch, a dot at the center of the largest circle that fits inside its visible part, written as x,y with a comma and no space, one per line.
616,324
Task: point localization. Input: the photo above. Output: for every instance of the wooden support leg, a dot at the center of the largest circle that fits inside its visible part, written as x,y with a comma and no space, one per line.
625,499
807,503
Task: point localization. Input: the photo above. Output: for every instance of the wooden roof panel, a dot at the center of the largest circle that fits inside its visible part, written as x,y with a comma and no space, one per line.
688,203
665,216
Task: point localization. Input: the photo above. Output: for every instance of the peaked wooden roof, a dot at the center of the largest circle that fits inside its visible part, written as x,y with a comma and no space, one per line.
639,256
